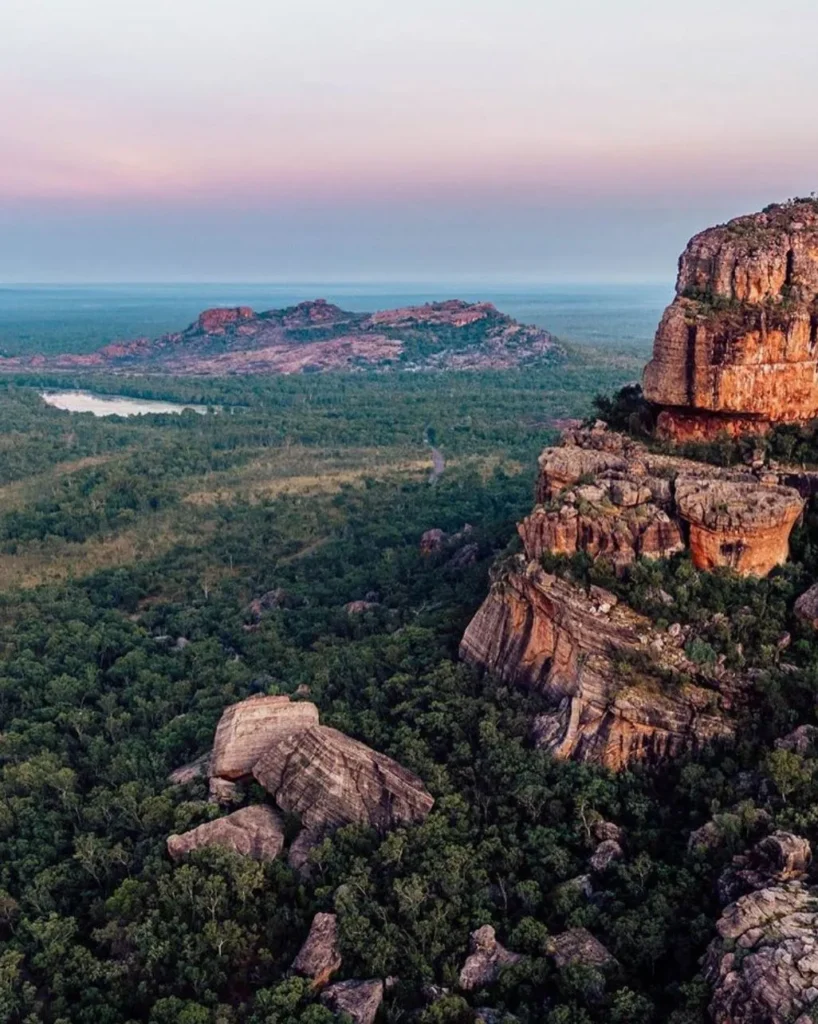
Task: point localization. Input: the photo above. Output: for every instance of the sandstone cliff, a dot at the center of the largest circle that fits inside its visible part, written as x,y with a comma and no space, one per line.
737,348
622,690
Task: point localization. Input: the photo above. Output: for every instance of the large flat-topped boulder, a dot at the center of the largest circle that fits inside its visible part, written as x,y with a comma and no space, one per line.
736,349
331,780
740,524
545,633
256,832
361,1000
247,729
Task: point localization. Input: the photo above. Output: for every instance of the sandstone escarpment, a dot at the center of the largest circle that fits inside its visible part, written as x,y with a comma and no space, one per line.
622,690
737,348
610,497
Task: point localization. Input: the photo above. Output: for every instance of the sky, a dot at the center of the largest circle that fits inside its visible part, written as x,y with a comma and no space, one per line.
505,140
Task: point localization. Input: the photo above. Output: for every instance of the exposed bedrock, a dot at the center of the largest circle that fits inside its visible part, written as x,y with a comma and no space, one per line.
621,690
737,348
601,493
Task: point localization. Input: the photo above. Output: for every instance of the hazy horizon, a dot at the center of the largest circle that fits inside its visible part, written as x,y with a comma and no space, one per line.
281,141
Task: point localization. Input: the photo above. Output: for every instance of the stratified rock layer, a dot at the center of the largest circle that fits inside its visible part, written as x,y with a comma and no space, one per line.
331,780
247,729
256,832
616,682
737,348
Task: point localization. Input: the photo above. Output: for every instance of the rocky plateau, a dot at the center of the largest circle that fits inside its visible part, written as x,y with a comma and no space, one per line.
317,336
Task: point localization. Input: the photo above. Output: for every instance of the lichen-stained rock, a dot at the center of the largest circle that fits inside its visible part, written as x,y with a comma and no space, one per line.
485,961
763,967
256,831
331,780
247,729
606,669
579,947
319,958
743,525
360,999
736,349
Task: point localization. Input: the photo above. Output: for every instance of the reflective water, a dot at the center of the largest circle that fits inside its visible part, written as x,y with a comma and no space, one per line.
111,405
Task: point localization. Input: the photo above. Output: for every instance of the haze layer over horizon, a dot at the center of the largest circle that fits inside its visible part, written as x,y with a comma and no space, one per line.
250,141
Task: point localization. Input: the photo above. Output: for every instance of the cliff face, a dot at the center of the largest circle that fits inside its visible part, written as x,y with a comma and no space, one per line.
615,682
737,349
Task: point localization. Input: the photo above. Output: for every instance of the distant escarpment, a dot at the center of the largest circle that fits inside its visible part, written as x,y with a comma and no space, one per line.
319,336
620,689
737,349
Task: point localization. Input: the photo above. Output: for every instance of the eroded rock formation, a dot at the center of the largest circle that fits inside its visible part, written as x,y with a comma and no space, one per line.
622,690
486,959
764,966
331,780
780,857
256,831
737,348
604,494
578,946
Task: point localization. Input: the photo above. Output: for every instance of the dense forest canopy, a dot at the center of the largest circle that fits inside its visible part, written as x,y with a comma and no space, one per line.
121,538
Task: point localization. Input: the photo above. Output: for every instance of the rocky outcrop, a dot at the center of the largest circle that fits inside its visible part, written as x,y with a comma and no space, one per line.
256,832
319,958
310,770
622,690
763,967
780,857
579,947
331,780
739,524
604,855
247,729
486,959
736,350
360,999
801,740
196,769
601,493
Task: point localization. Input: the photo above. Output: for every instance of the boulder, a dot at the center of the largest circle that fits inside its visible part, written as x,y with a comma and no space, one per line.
331,780
358,607
780,857
604,831
247,729
360,999
604,855
256,832
485,961
763,967
196,769
806,607
578,946
319,958
432,540
267,602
